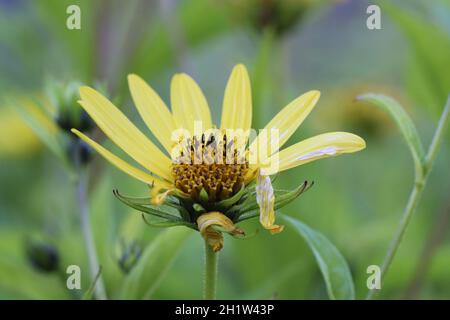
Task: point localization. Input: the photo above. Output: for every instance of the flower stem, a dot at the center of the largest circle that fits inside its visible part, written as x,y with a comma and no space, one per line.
415,194
211,258
94,267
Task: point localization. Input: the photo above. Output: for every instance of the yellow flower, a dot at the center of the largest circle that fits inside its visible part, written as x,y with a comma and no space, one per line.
215,184
24,141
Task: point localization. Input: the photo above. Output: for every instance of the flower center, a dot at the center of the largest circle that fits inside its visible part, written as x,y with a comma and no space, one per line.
213,166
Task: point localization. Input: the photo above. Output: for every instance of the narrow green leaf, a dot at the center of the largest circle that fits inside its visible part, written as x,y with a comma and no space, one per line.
332,264
404,123
156,260
89,294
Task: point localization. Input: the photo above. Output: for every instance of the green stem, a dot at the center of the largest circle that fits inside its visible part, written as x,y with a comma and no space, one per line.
416,192
210,273
86,229
94,267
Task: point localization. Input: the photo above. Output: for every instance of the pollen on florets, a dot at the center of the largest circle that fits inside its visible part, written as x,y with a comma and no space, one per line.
212,164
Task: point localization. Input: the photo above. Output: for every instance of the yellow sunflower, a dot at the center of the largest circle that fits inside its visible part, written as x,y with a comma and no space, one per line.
209,196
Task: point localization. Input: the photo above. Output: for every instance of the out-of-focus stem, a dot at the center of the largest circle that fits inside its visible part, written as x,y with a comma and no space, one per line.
94,267
86,230
175,32
436,238
416,192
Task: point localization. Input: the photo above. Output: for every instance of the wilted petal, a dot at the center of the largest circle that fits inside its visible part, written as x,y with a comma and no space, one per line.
212,224
266,200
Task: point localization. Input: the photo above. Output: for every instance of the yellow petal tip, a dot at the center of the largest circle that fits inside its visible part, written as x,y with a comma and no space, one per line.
240,66
85,89
133,77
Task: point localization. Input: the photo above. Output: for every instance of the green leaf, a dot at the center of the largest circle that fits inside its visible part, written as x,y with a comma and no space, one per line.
156,260
332,264
404,123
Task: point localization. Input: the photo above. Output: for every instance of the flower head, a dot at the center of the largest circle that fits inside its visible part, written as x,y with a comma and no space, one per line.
209,178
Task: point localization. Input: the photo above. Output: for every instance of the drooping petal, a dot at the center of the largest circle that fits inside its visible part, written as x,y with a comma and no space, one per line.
212,224
153,110
266,200
286,122
122,165
188,103
237,102
124,133
318,147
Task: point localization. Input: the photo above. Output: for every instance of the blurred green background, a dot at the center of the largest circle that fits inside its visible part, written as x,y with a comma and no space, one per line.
289,47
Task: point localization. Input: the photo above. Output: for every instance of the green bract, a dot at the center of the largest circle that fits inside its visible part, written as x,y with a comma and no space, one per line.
177,210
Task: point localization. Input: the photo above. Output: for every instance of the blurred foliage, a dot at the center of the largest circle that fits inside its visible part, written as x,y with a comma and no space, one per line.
356,201
430,43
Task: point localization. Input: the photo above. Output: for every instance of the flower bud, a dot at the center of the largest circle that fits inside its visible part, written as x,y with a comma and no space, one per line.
42,256
129,255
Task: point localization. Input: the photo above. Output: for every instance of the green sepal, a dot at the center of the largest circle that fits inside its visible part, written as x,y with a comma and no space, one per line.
147,201
153,210
285,198
198,208
250,209
226,203
167,223
204,197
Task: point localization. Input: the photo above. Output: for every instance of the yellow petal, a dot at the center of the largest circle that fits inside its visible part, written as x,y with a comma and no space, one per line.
123,133
237,102
122,165
188,103
266,201
318,147
286,122
153,110
213,236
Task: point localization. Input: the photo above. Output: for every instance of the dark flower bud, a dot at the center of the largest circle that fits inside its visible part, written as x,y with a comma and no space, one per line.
129,255
42,256
279,15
